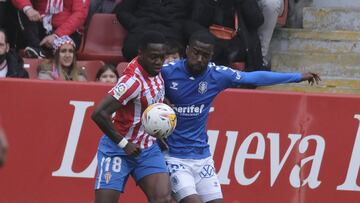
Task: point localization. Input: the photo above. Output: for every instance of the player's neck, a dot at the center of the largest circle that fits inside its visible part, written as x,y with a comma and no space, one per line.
193,73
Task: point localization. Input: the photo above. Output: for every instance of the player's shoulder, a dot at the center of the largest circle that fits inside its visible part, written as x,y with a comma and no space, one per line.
219,72
129,78
172,67
126,83
219,69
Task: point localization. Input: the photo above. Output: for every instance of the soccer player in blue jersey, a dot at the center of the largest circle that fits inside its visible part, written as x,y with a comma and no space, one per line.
190,86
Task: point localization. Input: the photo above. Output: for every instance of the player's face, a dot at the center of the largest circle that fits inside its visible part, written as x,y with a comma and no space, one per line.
198,56
66,55
152,58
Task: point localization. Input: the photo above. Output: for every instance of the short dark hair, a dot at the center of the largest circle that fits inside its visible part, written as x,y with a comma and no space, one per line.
105,68
5,34
173,47
203,36
151,37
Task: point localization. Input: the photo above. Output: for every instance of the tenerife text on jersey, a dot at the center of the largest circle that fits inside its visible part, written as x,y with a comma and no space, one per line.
193,110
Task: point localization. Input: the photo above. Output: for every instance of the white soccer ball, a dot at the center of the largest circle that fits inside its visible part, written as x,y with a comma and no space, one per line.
159,120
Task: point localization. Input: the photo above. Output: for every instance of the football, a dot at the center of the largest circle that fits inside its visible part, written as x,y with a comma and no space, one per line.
159,120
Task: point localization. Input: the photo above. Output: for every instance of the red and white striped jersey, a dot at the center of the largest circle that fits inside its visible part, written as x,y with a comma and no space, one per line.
136,90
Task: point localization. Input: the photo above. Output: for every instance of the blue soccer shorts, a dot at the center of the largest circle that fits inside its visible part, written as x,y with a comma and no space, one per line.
114,170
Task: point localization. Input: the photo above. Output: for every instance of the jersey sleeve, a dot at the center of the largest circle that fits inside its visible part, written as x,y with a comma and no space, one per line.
165,70
228,77
263,78
126,89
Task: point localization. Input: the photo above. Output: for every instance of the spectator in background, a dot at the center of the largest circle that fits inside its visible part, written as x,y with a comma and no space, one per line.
11,64
138,16
45,20
245,46
63,65
107,74
8,21
2,13
271,9
174,51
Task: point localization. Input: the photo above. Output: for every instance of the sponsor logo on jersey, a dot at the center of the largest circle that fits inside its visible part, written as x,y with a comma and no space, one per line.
202,87
193,110
174,85
207,171
120,89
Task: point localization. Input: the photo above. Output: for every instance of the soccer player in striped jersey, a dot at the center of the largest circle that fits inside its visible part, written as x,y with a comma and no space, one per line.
190,86
126,149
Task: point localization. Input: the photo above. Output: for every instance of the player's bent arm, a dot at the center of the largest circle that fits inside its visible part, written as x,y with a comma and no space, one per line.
102,117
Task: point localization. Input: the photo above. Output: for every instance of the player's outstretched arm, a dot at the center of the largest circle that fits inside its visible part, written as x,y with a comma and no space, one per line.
263,78
102,117
311,77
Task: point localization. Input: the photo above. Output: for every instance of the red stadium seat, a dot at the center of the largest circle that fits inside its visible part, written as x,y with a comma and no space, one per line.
104,39
121,67
282,19
30,65
91,68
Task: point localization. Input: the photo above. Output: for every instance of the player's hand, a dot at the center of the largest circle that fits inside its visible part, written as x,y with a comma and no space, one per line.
132,149
33,15
167,101
162,144
159,135
311,77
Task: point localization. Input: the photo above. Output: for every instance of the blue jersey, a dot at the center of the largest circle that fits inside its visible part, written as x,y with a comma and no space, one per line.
192,97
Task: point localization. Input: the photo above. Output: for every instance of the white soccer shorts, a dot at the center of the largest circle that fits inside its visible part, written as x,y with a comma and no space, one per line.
193,176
